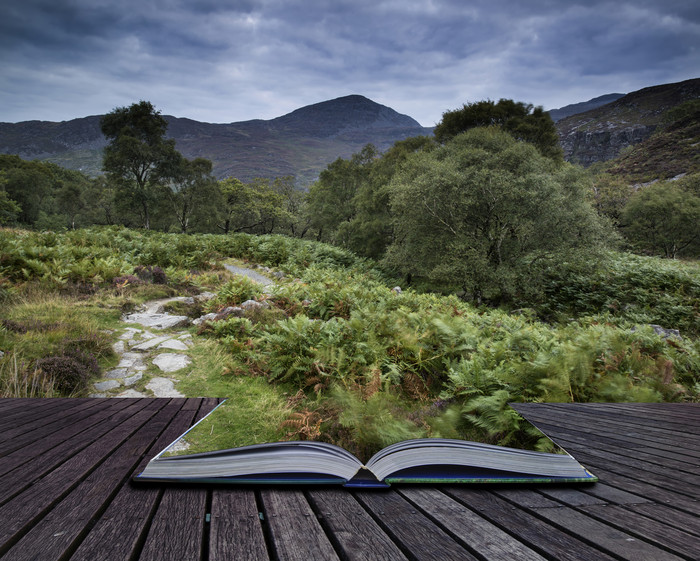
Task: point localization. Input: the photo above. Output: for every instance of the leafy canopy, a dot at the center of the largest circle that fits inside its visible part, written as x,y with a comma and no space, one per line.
524,121
486,213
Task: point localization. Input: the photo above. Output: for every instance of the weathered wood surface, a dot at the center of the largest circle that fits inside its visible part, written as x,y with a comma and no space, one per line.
66,493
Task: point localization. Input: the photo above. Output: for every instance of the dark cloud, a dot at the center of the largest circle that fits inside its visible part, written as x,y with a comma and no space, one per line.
234,60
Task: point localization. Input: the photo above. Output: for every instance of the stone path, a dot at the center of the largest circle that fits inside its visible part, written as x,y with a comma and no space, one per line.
138,347
159,342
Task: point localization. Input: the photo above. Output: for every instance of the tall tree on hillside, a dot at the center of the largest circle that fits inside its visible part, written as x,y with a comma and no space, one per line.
190,187
523,121
488,214
136,153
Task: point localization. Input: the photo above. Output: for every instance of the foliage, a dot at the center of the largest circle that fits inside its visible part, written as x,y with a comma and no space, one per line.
138,155
662,218
523,121
625,289
485,213
234,292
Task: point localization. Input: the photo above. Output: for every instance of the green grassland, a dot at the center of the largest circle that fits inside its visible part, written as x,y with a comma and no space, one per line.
336,354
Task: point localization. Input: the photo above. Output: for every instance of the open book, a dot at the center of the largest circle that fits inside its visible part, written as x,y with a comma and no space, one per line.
425,460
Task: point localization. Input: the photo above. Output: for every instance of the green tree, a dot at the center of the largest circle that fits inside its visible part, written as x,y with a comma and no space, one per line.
191,187
524,121
137,152
610,194
488,214
330,199
662,218
257,207
371,230
9,209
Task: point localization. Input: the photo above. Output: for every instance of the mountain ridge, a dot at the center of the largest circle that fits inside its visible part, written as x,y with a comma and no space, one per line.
300,143
600,134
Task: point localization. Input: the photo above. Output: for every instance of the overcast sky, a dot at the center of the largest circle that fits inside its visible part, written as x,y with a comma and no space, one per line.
224,61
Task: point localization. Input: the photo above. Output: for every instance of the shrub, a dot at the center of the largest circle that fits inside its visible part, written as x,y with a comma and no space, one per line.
68,374
150,274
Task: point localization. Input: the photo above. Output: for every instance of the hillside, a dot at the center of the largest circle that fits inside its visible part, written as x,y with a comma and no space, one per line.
301,143
672,151
600,134
576,108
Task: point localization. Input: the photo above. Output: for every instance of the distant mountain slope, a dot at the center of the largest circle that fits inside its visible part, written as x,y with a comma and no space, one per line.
576,108
600,134
672,151
301,143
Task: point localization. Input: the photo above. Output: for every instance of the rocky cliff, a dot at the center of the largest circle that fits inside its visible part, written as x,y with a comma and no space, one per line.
602,133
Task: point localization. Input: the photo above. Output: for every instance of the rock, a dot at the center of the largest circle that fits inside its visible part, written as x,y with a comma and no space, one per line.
231,311
150,344
173,344
131,393
205,296
163,387
97,395
171,362
157,321
116,373
130,360
666,333
204,318
279,275
129,333
131,380
106,385
249,305
397,289
663,332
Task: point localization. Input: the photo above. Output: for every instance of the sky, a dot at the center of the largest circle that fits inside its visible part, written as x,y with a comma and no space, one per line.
226,61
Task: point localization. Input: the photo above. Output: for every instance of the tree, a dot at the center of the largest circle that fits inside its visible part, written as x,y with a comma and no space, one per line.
190,187
662,218
488,214
137,153
257,207
9,209
523,121
330,199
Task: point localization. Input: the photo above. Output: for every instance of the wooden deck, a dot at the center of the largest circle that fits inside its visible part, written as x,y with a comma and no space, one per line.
65,493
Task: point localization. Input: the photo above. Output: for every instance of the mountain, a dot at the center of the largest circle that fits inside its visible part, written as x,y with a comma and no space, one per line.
600,134
575,108
301,143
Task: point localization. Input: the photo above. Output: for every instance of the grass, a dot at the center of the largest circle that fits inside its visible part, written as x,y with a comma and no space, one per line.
253,414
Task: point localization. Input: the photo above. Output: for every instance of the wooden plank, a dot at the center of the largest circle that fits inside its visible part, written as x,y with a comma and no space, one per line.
480,535
647,529
345,520
236,529
670,516
177,530
622,544
630,436
41,445
613,495
625,445
41,425
411,529
26,473
120,532
648,490
56,504
526,527
178,526
289,517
